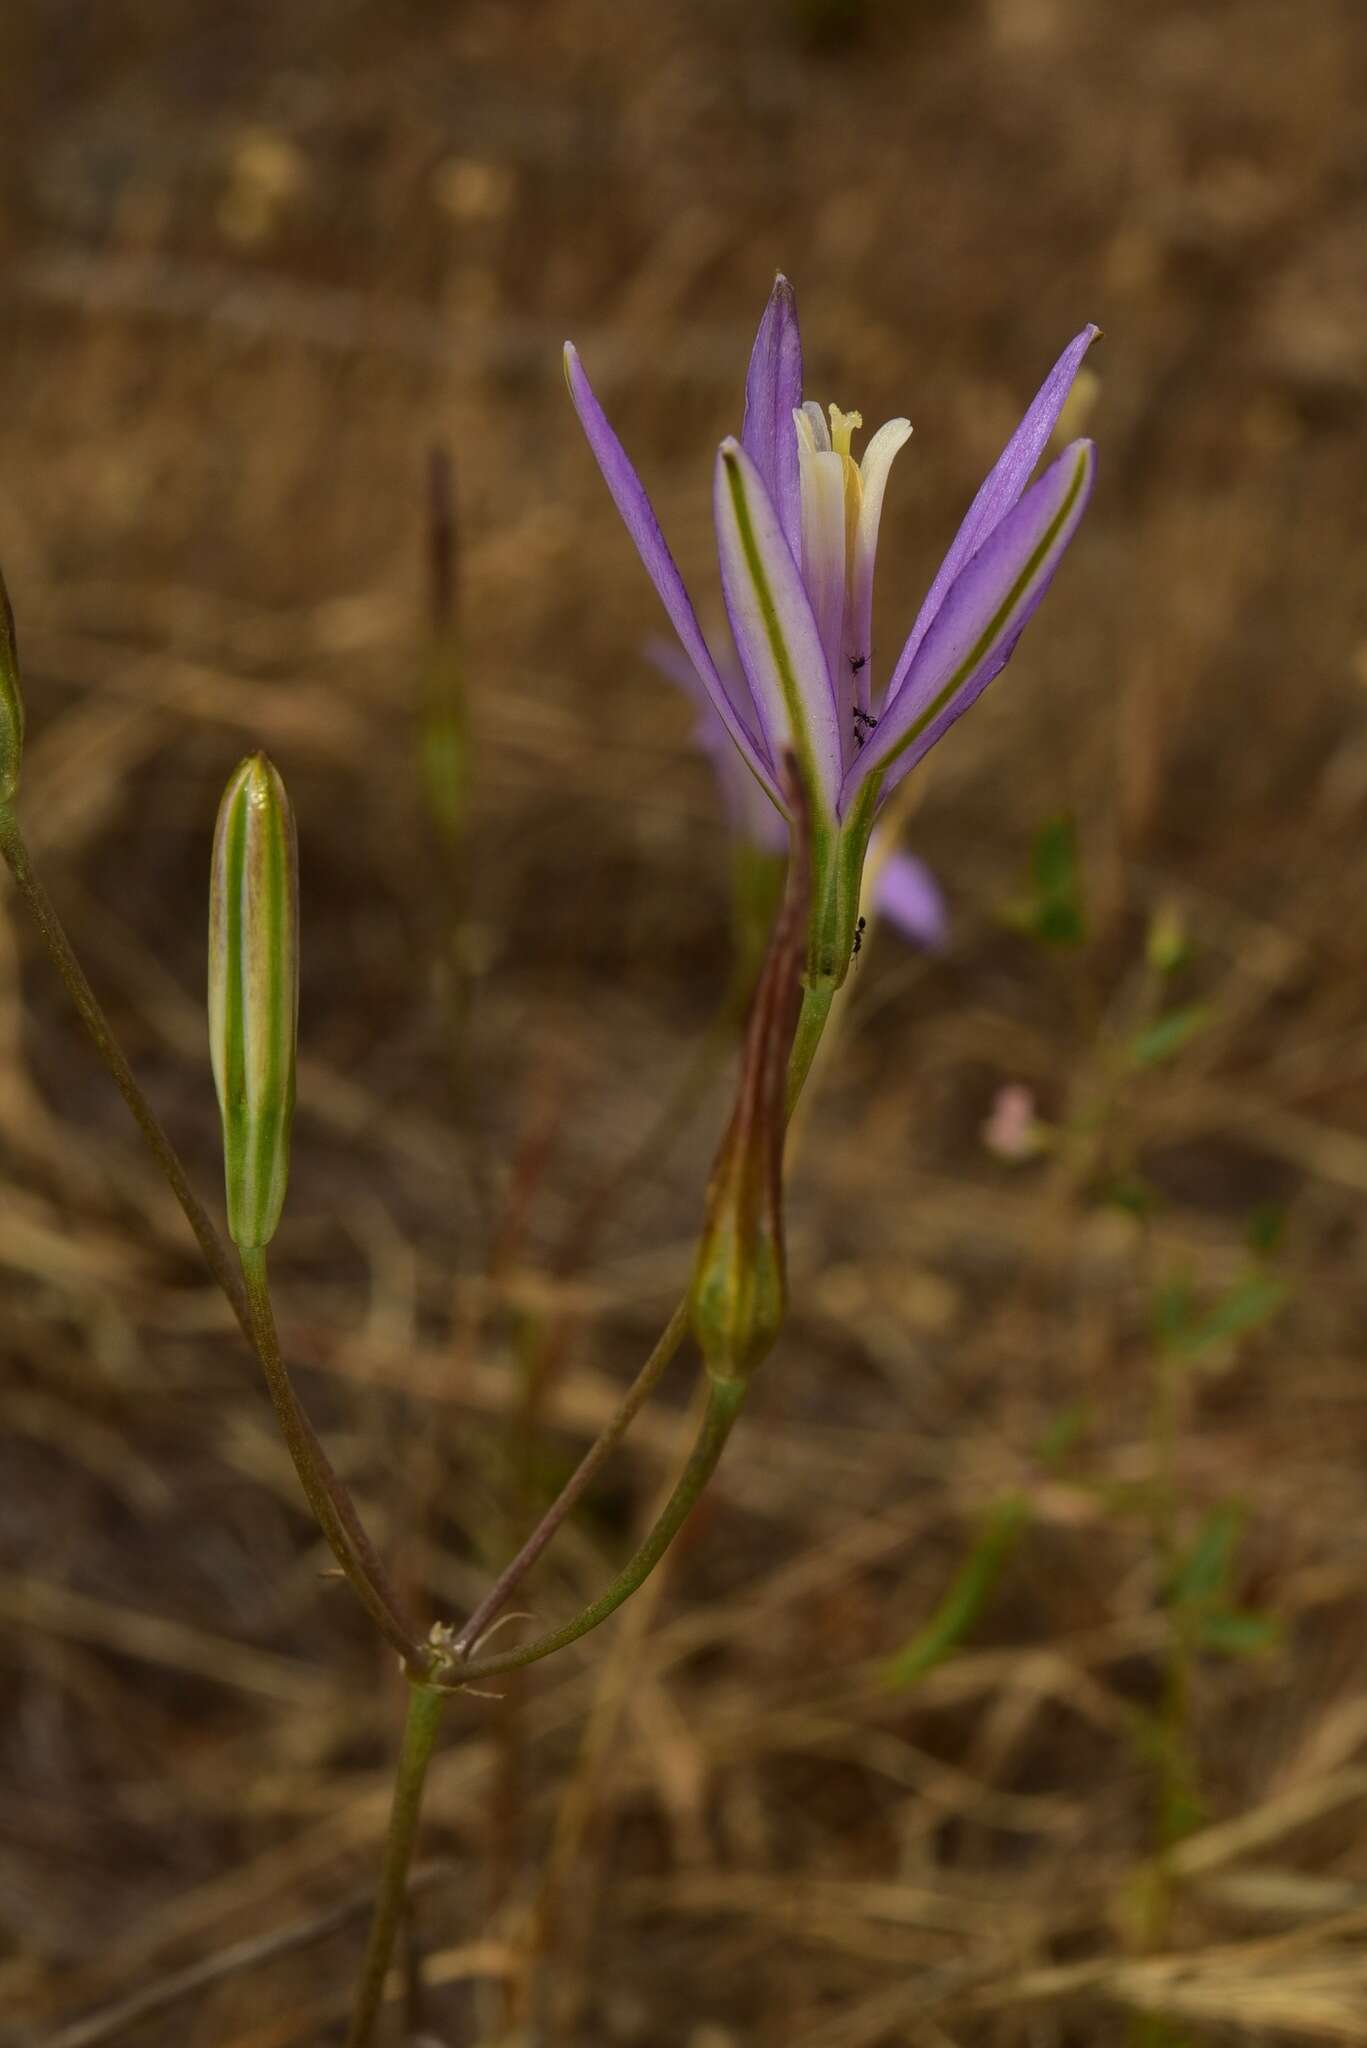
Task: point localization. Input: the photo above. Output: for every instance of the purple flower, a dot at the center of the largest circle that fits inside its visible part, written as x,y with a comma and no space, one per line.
907,894
797,532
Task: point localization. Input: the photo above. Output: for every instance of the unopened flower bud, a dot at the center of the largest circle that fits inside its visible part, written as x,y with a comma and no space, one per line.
254,994
11,703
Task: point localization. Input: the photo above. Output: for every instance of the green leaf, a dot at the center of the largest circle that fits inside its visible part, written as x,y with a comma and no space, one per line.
1246,1306
968,1595
1054,859
1173,1305
1203,1575
1266,1229
1132,1193
1063,1433
1056,914
1240,1633
1166,1038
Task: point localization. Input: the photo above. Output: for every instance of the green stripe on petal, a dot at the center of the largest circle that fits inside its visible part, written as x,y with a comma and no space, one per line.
774,629
983,616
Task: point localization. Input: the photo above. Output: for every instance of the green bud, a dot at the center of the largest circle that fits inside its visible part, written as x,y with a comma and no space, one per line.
11,703
254,993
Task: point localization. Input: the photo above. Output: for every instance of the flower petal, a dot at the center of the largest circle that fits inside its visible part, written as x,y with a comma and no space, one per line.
999,491
774,630
907,894
638,516
976,629
773,388
823,548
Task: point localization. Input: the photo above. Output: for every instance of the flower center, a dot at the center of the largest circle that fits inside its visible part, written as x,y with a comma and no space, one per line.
842,502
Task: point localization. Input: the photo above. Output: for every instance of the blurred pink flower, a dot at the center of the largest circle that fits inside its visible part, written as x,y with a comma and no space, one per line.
1013,1130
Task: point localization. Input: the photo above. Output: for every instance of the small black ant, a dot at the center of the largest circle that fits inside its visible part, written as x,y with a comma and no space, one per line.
858,935
857,662
864,723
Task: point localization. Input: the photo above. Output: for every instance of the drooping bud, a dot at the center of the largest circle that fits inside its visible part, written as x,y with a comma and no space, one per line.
254,994
11,703
739,1291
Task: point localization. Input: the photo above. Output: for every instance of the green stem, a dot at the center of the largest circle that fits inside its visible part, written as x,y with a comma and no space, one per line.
332,1506
246,1292
816,1005
39,904
577,1484
425,1703
811,1022
724,1403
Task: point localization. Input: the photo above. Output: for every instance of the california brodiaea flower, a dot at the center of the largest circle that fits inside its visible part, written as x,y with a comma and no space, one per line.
797,519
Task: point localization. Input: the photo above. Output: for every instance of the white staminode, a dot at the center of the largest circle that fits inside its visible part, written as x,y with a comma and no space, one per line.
842,503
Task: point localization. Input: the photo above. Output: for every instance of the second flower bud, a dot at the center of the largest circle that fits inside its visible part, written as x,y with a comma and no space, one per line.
254,994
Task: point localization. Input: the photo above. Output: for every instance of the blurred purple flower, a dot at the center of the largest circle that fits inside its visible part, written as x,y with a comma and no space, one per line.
797,531
907,894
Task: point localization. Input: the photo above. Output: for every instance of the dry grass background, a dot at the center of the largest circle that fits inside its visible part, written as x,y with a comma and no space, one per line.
255,260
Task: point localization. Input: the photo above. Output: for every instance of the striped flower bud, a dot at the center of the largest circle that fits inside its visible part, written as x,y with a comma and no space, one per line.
11,703
254,993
